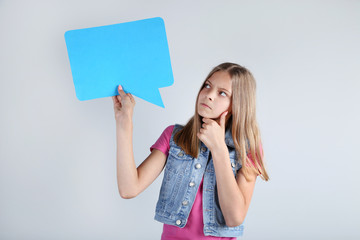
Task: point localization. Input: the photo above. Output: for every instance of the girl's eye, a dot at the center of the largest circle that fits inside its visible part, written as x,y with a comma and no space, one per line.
223,94
206,85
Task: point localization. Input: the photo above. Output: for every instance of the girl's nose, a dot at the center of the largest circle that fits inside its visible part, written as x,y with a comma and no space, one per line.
210,95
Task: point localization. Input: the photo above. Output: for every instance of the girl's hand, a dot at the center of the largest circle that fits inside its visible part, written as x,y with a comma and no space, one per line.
212,134
123,105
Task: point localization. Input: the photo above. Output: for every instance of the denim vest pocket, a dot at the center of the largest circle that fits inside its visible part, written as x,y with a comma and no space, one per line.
178,160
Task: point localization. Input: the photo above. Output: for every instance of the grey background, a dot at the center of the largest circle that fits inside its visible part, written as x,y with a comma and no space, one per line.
57,154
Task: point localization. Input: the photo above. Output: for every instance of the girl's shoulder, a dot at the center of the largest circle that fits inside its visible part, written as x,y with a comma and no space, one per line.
169,129
163,142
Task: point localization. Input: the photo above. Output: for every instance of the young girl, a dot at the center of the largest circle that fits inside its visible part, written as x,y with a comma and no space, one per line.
211,163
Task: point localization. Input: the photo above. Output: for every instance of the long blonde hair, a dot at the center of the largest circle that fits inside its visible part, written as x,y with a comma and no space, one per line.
243,124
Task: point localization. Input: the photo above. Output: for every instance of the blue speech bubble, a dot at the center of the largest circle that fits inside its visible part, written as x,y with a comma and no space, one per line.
133,54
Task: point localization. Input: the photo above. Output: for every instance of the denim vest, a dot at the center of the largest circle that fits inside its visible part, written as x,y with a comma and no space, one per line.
182,177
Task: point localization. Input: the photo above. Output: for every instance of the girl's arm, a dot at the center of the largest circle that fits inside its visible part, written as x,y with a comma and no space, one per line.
234,194
131,180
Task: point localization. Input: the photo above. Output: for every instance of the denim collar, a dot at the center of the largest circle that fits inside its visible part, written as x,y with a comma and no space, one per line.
228,138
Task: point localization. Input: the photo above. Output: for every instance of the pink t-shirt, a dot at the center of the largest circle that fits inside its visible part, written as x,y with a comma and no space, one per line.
194,226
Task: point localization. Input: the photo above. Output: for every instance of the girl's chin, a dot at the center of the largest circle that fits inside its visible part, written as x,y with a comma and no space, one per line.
206,116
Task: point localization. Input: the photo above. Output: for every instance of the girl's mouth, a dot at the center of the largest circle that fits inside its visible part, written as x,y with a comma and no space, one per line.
204,105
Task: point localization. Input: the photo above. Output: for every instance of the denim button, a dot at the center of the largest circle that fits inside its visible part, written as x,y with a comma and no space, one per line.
184,203
191,184
180,154
203,149
198,165
178,222
233,164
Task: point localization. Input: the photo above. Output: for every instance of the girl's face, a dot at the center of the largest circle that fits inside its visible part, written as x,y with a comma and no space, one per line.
215,96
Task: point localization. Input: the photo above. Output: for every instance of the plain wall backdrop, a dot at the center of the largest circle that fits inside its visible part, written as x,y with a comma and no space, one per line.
57,154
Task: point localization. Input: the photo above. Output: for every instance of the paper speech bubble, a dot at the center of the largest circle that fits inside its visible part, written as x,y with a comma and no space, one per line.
133,54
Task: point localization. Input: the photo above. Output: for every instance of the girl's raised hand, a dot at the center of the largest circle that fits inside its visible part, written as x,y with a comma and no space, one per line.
212,134
123,105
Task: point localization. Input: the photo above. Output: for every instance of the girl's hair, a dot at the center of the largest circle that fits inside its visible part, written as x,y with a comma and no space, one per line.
243,124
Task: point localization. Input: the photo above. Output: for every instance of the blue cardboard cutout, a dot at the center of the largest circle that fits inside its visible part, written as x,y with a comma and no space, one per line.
133,54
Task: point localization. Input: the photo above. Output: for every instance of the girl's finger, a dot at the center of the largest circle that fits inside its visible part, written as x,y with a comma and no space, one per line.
115,99
121,91
130,96
206,120
222,119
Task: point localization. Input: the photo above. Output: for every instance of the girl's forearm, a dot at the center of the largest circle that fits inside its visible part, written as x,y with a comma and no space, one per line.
127,176
231,199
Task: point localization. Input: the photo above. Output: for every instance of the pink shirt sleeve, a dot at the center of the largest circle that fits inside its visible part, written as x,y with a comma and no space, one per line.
163,143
